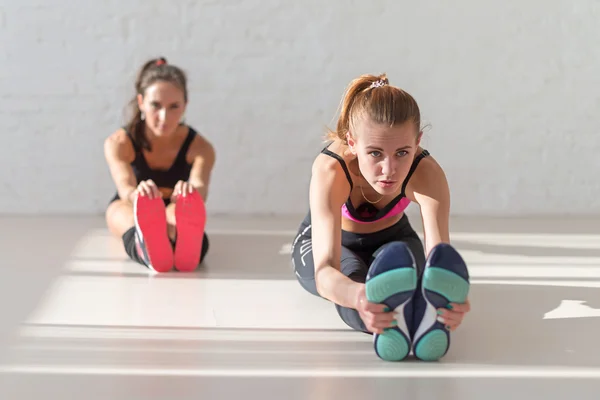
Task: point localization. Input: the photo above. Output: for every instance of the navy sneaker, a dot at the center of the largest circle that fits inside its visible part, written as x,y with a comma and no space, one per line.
392,280
445,280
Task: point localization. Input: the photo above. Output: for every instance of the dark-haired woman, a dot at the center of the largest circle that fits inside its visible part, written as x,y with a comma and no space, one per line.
161,169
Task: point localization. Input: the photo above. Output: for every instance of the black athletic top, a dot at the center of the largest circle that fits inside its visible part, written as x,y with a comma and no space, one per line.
367,213
164,178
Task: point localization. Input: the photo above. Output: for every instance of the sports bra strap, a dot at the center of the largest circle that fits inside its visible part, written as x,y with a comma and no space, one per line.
342,163
413,167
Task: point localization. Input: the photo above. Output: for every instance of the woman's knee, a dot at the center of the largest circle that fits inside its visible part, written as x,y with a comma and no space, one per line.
119,217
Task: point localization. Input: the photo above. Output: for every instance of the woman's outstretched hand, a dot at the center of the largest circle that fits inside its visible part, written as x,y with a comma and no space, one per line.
453,317
376,317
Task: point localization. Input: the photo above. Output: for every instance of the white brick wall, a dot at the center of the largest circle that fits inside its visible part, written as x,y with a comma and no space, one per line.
511,90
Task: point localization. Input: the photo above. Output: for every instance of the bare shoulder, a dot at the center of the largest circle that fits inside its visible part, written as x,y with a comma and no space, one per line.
428,181
428,171
325,165
328,163
118,146
329,179
200,147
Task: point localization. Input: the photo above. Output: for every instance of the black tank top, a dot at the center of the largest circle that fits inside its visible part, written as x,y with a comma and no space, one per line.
164,178
368,212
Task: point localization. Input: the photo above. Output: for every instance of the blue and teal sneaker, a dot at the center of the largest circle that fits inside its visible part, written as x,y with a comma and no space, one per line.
392,280
445,280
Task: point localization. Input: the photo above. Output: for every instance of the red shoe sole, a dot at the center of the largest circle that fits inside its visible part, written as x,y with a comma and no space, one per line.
190,217
151,218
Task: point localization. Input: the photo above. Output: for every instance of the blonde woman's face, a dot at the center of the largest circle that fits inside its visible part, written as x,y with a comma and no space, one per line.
384,153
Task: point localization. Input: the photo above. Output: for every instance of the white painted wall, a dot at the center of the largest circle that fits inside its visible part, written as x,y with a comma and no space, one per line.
510,88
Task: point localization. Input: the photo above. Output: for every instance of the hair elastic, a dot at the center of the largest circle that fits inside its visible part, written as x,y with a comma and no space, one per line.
377,84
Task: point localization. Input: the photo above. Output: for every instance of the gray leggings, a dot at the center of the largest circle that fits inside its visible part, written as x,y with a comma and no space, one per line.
358,252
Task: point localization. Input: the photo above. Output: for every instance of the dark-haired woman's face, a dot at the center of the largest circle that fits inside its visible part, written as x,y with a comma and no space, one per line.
163,105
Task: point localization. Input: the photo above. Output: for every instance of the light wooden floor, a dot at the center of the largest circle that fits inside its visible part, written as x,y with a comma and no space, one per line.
81,321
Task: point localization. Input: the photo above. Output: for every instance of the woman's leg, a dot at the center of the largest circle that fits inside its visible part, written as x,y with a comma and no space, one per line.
143,229
399,287
351,265
121,224
359,249
119,217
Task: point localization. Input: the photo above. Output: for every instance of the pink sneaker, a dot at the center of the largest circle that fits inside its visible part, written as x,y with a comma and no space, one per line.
190,217
151,230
